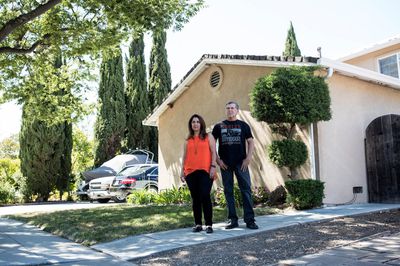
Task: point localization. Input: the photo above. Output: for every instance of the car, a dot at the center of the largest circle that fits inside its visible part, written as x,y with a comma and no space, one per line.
109,188
132,179
111,167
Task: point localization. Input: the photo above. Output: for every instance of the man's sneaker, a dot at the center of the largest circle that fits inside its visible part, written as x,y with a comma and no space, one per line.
232,224
252,225
197,228
209,230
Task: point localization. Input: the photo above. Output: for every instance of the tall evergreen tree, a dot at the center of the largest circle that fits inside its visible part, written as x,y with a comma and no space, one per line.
291,47
111,120
45,151
160,74
136,97
159,80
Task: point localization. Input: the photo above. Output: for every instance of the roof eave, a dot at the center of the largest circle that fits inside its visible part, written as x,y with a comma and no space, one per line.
152,120
360,73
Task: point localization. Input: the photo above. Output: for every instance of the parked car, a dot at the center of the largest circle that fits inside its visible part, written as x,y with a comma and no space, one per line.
112,167
132,179
120,186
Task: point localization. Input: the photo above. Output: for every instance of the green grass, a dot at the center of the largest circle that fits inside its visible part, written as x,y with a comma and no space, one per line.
92,226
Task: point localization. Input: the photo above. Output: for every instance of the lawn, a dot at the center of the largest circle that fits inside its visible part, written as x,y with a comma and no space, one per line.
93,226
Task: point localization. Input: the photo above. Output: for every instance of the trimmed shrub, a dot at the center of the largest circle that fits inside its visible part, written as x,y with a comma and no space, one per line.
288,152
305,193
277,196
291,95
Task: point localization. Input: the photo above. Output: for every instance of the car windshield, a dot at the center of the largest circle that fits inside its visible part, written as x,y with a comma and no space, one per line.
132,170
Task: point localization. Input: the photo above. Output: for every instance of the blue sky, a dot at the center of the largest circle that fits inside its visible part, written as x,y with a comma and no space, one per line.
259,27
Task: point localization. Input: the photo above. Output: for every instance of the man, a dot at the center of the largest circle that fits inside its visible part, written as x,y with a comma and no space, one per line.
232,135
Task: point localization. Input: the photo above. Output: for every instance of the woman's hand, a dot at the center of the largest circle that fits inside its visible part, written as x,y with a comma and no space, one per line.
213,173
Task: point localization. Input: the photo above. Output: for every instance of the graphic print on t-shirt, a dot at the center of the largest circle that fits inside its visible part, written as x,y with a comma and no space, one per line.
230,134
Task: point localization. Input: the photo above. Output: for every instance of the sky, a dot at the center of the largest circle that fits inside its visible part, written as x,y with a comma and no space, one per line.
259,27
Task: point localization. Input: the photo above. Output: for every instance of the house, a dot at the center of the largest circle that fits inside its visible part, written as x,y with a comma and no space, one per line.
365,97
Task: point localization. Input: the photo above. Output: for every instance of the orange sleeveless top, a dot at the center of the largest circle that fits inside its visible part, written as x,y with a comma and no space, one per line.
198,155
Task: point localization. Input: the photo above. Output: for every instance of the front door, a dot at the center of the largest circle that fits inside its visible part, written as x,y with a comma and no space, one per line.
382,152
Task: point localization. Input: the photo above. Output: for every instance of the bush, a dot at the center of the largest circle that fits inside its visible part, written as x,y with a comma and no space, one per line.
288,152
291,95
218,197
7,193
260,195
277,196
142,197
174,196
305,194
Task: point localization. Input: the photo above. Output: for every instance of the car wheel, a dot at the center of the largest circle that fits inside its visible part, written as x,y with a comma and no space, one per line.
103,200
153,189
119,199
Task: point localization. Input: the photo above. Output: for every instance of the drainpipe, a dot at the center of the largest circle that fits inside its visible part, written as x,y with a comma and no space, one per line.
314,140
330,73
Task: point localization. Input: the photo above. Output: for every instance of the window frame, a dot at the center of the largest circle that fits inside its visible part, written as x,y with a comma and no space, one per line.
397,54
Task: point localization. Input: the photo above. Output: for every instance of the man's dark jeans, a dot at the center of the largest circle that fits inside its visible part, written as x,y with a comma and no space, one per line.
243,178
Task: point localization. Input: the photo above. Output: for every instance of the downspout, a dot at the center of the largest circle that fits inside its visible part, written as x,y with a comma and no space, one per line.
315,172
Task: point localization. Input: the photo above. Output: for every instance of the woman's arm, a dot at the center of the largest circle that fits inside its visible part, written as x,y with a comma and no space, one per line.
183,161
213,156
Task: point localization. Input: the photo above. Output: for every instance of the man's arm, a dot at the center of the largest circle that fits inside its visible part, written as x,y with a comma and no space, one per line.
250,149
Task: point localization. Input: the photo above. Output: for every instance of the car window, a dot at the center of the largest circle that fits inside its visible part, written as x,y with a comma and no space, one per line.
132,170
154,172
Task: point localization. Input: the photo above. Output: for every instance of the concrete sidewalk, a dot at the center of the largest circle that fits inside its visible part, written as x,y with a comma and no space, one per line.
375,250
147,244
22,244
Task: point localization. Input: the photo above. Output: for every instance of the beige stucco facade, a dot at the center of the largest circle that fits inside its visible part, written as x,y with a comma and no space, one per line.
201,98
355,104
370,60
359,94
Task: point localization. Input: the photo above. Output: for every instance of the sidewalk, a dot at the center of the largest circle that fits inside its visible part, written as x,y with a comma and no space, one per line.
144,245
22,244
375,250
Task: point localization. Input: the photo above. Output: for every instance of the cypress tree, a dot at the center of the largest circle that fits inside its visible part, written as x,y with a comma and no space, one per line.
45,151
136,97
159,80
111,120
291,47
160,74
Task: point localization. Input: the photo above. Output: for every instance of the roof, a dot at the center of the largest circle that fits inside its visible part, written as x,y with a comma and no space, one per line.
223,59
267,61
373,48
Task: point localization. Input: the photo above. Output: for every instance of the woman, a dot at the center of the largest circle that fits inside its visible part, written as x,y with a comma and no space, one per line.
199,171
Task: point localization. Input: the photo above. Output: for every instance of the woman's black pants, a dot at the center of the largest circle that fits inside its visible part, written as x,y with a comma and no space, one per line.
200,183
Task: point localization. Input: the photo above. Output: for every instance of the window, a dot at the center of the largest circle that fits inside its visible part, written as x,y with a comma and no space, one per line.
390,65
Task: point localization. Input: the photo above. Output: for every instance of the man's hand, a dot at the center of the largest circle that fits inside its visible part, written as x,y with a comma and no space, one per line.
222,164
183,178
245,164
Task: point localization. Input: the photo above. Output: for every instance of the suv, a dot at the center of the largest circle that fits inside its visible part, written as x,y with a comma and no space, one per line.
120,186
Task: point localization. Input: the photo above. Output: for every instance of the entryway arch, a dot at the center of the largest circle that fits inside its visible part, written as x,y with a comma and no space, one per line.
382,152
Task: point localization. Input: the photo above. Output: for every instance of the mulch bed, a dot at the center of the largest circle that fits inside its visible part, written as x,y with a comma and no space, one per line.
285,243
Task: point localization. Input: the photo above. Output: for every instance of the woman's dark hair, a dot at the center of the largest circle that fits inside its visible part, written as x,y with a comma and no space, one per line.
203,132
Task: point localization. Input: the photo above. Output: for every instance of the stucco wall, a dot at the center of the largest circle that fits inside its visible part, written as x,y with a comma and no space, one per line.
370,61
210,103
355,104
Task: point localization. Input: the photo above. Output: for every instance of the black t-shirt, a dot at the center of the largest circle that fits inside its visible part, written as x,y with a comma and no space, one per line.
231,137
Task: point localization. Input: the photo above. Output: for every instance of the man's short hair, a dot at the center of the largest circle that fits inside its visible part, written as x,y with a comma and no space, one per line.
233,102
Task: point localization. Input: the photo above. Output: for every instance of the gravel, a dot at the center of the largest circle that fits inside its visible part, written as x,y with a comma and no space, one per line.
290,242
